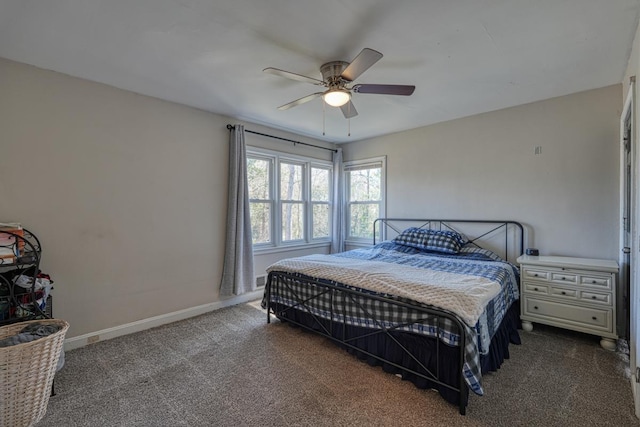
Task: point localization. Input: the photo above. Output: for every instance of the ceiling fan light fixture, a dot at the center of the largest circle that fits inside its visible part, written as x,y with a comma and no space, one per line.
337,98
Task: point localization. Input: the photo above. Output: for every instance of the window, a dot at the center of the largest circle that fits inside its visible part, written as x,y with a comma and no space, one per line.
290,199
320,202
365,196
259,171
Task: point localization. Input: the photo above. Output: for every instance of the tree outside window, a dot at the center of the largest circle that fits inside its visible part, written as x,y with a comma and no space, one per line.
320,202
364,183
291,197
260,199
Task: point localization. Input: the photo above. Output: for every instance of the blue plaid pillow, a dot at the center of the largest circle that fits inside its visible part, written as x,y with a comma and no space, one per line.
445,241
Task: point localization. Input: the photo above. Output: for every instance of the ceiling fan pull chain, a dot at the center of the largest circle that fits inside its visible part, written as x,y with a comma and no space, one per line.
323,118
349,120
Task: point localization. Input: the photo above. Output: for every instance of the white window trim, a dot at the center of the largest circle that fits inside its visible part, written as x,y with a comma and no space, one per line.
356,164
276,244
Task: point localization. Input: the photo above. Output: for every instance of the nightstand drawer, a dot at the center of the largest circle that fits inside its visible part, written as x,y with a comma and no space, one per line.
604,282
564,292
530,273
564,278
531,288
596,297
561,312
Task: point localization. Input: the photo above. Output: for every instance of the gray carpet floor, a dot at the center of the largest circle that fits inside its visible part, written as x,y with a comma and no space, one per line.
231,368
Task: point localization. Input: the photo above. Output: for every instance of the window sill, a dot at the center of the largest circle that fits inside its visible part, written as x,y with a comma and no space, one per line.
290,248
359,243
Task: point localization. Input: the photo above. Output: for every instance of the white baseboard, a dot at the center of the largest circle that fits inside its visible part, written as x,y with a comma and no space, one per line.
152,322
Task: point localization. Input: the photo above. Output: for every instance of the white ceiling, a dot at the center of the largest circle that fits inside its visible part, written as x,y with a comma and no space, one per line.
464,56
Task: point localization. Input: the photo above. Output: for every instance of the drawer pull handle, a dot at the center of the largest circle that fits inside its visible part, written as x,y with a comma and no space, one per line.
594,318
535,289
535,306
563,278
594,282
536,274
564,293
593,297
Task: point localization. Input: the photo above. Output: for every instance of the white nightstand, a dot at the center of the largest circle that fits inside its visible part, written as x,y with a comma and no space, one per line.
571,293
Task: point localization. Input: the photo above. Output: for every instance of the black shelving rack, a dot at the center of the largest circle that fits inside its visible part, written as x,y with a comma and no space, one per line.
20,298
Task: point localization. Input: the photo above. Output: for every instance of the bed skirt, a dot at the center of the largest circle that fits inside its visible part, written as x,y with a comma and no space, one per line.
422,347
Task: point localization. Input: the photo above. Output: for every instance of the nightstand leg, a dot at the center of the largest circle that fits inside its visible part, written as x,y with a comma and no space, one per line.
527,326
608,344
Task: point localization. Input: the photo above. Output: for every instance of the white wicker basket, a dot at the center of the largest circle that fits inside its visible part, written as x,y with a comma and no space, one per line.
26,374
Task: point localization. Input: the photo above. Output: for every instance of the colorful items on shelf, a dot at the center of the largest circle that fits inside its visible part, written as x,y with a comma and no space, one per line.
9,248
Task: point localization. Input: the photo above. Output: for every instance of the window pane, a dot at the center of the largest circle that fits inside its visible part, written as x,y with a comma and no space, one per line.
290,181
260,222
320,221
292,221
361,219
365,184
319,185
258,177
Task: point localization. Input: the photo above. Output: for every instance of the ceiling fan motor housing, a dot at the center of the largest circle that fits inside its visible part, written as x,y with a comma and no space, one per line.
331,71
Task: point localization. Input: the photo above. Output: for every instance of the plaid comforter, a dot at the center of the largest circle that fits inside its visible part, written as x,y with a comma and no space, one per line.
497,291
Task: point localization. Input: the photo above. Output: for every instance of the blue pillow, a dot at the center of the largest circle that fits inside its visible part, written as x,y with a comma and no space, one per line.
445,241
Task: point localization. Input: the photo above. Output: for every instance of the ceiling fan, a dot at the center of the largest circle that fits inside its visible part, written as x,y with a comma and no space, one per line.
337,77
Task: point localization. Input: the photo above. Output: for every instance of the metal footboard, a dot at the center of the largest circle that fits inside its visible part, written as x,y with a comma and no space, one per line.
329,321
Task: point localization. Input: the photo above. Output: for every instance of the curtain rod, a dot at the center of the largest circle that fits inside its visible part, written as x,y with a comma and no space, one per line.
229,127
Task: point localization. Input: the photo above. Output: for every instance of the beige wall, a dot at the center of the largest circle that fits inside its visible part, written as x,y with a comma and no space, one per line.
485,167
633,66
127,194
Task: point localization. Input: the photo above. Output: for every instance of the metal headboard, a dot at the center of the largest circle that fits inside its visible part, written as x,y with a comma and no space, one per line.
487,234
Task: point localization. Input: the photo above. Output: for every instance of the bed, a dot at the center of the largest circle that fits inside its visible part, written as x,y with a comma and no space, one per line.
433,301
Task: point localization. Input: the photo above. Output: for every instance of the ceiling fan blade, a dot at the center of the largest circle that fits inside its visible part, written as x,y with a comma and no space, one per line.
292,76
384,89
349,110
300,101
361,63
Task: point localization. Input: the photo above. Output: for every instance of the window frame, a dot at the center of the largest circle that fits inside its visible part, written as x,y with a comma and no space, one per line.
271,200
276,225
349,166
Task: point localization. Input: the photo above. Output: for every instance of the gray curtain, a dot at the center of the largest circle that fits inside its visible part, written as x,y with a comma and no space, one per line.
237,273
337,242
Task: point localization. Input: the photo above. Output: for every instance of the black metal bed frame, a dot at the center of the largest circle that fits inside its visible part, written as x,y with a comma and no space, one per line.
336,330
